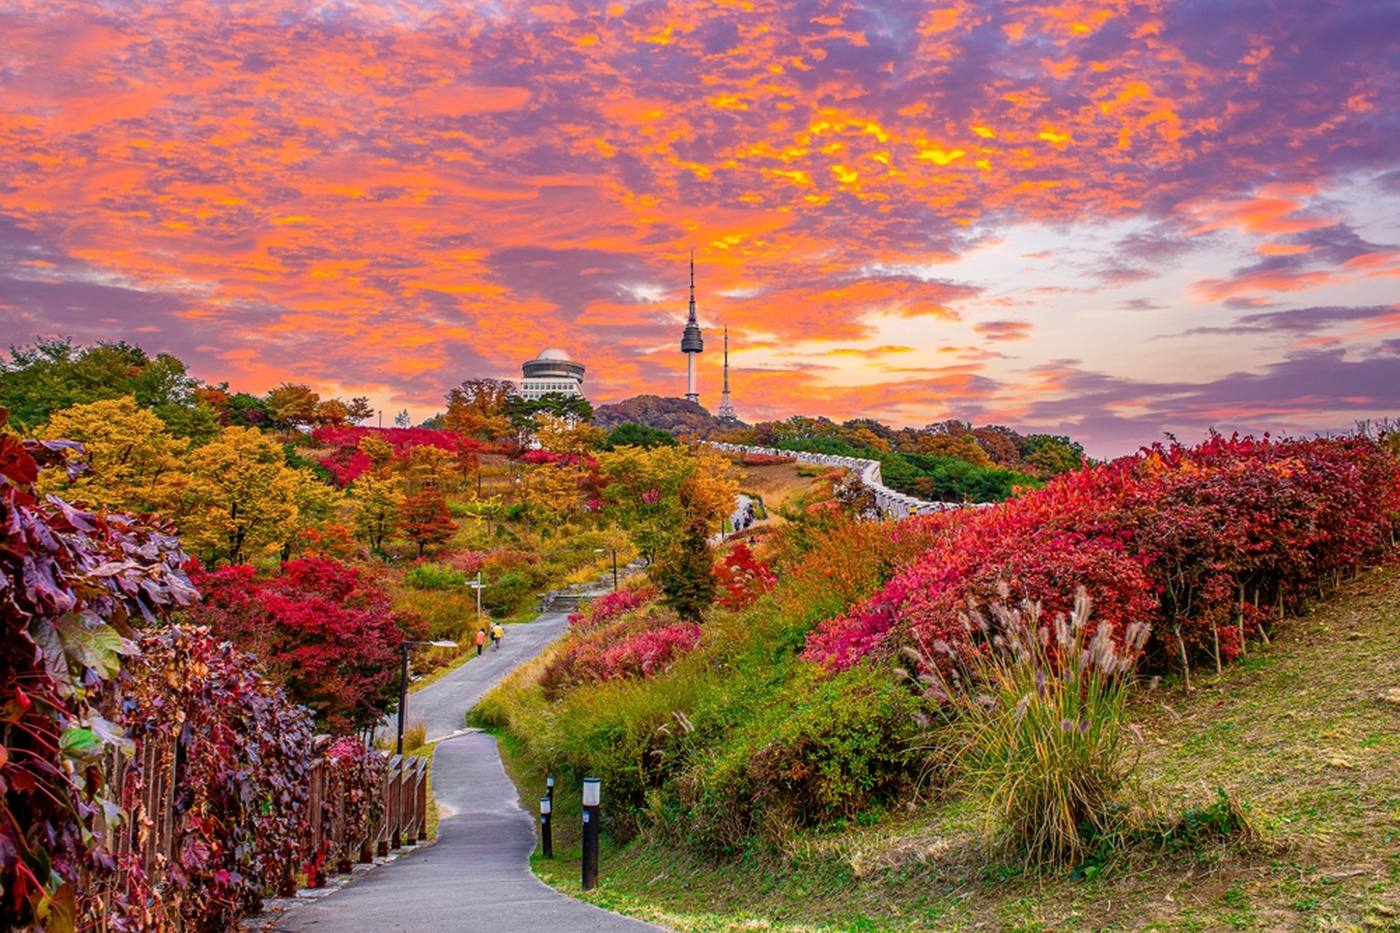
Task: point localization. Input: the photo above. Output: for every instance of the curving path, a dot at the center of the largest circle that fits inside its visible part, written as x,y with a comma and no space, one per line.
477,875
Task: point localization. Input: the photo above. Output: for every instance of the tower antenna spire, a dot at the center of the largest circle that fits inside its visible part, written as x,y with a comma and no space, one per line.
692,286
726,406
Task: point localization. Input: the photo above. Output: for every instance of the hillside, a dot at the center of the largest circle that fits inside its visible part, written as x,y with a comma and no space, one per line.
677,415
1303,732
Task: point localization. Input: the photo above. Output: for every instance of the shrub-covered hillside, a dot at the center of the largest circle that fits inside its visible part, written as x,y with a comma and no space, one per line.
799,709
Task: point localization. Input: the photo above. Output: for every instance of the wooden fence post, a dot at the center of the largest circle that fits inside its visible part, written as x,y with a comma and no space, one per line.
422,800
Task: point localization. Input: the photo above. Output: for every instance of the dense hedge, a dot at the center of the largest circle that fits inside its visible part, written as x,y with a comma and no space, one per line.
1204,542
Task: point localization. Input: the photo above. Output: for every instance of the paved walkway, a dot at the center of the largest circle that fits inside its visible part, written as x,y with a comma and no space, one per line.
477,875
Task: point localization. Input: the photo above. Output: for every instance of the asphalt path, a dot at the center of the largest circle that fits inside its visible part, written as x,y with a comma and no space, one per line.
476,876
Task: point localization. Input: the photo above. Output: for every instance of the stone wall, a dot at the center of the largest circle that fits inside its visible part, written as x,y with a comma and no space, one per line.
891,504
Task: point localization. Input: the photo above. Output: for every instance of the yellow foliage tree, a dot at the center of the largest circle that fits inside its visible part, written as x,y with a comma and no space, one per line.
127,449
317,504
553,491
645,492
378,503
428,467
378,450
293,403
557,434
237,498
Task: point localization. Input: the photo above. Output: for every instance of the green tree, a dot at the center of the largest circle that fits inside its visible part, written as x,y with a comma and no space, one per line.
686,572
525,413
51,375
632,434
1053,454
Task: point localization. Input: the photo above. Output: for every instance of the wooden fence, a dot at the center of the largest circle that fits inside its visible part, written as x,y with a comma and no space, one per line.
151,833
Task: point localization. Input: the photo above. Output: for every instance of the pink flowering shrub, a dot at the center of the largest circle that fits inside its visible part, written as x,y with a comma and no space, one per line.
624,634
607,608
647,652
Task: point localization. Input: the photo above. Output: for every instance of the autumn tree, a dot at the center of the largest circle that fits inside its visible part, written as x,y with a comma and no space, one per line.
568,437
380,453
428,467
236,497
331,411
477,408
292,404
425,520
128,452
644,492
359,409
554,491
377,503
485,509
323,629
318,506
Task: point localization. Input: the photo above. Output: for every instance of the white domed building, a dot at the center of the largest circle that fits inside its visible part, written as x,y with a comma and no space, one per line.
551,373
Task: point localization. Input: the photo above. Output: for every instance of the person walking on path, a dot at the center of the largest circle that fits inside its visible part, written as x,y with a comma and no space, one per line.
480,641
497,633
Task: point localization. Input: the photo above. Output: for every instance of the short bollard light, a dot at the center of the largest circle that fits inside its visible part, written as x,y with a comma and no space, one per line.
546,833
592,794
549,786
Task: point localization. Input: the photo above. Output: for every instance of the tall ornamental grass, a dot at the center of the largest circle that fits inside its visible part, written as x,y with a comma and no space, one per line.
1038,725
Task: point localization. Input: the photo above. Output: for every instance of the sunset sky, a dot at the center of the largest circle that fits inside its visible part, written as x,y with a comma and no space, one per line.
1108,219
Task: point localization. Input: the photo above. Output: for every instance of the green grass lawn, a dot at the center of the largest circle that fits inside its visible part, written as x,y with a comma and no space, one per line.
1303,733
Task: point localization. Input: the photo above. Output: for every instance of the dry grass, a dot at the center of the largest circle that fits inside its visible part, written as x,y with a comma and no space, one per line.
774,484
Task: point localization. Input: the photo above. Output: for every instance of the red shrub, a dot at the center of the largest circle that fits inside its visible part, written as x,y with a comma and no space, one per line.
647,652
324,629
765,459
742,578
347,462
1199,541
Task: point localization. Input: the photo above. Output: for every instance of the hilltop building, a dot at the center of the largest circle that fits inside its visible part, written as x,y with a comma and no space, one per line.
726,404
552,372
691,343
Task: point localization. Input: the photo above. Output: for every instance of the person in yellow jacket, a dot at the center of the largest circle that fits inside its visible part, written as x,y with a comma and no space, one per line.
497,633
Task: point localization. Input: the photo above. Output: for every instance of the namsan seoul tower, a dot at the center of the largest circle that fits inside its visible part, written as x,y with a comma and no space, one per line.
691,343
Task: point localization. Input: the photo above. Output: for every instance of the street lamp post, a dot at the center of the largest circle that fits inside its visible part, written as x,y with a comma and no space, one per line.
592,796
546,833
403,681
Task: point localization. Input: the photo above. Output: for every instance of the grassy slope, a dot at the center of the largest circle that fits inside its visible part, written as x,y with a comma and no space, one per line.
775,484
1305,732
